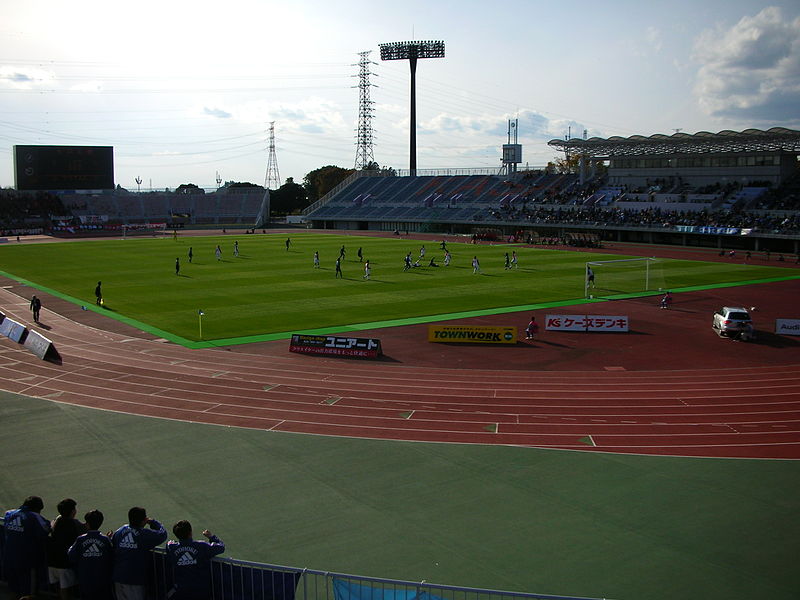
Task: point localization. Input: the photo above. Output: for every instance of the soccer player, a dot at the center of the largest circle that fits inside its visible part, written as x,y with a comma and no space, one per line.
360,256
316,259
422,252
341,252
288,243
98,294
507,263
218,252
476,265
514,264
177,266
590,276
236,248
338,269
666,300
407,261
366,269
447,258
190,254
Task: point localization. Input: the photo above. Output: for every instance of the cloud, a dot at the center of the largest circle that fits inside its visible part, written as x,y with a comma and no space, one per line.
23,78
653,37
751,72
311,128
87,87
216,112
532,125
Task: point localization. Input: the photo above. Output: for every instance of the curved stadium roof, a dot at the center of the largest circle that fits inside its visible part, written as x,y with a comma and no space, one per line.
702,142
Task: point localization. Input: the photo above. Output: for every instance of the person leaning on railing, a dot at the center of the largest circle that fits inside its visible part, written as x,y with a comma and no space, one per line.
91,555
132,546
190,561
25,532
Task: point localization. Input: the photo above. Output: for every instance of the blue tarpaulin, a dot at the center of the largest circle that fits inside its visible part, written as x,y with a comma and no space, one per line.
344,589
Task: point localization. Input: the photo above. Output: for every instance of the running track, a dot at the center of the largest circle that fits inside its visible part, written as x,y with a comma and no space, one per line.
738,413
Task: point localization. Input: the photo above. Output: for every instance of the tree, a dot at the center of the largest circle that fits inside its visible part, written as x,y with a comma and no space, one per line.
321,181
288,198
572,164
189,188
569,164
240,185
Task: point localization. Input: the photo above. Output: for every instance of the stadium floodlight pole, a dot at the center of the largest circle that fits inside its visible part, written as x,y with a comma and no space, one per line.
412,51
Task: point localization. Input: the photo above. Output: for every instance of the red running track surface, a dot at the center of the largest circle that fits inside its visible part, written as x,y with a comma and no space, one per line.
669,387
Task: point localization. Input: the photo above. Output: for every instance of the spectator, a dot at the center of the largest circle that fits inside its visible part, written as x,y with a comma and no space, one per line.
132,545
23,552
191,563
64,530
91,555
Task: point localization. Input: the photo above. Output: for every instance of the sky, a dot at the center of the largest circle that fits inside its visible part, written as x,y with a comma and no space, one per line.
185,91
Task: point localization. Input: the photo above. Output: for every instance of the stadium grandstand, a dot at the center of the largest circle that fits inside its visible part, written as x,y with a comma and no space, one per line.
70,212
733,190
737,190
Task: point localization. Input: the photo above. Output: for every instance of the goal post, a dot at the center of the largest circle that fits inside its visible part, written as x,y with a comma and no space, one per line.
622,276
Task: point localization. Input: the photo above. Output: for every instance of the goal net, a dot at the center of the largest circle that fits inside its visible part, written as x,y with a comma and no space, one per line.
604,278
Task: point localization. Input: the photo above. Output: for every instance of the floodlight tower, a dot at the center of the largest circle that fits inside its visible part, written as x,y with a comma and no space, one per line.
411,51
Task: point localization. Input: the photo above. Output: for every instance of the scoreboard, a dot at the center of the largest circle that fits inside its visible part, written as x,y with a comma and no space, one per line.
43,168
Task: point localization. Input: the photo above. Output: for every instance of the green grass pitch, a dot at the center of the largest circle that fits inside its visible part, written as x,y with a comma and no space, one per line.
269,290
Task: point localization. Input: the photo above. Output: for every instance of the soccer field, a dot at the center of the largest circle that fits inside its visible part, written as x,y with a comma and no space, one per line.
271,291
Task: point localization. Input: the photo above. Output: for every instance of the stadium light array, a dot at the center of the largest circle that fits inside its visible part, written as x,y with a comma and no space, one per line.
407,50
411,51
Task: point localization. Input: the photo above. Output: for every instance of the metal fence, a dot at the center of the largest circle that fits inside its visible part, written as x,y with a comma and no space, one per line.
233,579
242,580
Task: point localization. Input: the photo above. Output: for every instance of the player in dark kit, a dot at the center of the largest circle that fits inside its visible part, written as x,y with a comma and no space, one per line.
339,268
190,254
98,294
177,266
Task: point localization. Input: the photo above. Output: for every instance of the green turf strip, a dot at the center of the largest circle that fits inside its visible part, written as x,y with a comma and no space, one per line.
268,293
380,324
568,523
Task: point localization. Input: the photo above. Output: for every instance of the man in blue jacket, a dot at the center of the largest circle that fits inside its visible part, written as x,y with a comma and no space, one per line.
132,545
23,551
191,562
92,556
